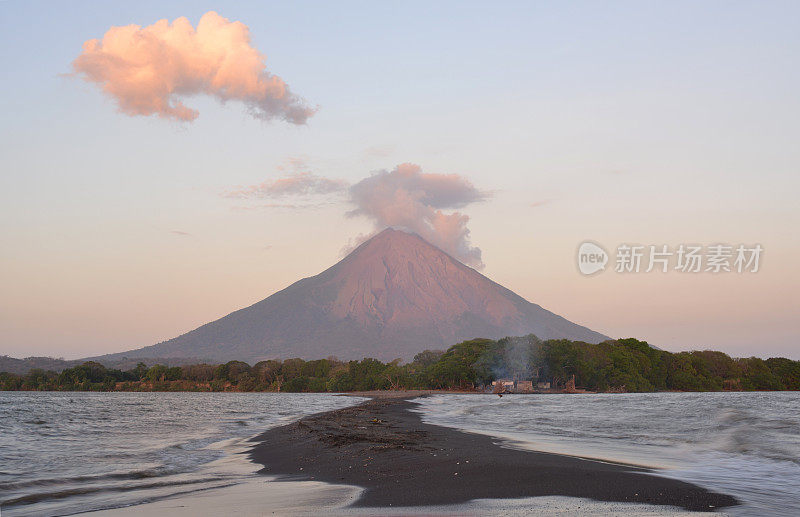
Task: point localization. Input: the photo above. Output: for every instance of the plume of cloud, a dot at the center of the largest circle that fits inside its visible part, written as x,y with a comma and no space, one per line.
148,70
408,198
405,197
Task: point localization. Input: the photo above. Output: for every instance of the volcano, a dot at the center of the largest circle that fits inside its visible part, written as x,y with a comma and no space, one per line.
392,297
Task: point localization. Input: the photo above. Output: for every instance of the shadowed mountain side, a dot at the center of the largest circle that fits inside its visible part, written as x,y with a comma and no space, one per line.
393,296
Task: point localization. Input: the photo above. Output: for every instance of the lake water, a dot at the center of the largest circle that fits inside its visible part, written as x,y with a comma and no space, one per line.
743,444
63,453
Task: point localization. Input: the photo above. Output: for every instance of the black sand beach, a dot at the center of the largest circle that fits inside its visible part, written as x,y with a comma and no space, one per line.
386,449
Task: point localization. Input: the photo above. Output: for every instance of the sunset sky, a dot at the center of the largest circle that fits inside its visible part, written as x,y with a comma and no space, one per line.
136,207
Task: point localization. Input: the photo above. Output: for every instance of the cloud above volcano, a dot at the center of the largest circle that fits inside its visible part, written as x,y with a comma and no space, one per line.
405,198
424,203
151,70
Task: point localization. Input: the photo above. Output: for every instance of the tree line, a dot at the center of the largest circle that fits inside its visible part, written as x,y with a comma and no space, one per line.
627,365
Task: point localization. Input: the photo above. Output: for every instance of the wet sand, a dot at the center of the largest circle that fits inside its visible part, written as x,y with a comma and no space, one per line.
399,461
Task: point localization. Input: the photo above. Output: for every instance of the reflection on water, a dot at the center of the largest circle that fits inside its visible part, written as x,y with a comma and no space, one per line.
61,453
743,444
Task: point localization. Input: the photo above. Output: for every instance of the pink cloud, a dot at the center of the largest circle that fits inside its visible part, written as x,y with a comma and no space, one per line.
408,198
149,70
405,197
302,183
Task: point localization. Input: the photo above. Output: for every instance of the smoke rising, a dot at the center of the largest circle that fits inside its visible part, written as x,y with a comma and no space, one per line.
148,70
408,198
514,358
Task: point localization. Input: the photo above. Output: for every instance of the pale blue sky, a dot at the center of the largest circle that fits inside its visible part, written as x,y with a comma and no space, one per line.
651,122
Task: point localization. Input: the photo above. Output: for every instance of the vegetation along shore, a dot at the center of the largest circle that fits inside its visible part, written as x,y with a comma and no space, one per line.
625,365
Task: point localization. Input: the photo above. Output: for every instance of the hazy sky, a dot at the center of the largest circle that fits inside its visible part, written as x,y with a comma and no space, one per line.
619,122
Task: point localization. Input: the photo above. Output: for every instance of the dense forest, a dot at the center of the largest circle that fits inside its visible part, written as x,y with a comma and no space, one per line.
625,365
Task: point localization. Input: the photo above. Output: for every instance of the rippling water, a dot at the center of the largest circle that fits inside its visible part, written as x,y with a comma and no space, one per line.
63,453
743,444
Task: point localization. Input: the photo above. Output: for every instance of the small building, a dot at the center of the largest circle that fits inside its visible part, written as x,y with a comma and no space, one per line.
524,386
543,385
505,383
509,386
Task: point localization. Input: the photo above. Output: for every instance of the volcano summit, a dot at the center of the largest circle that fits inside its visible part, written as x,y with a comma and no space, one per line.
393,296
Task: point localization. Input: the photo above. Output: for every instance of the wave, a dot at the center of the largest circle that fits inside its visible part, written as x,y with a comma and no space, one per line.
134,475
61,494
61,454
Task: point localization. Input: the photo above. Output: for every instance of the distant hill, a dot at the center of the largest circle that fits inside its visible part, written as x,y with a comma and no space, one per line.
393,296
23,366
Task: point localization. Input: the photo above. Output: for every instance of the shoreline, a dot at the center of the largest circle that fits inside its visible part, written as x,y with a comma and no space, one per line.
385,449
389,392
